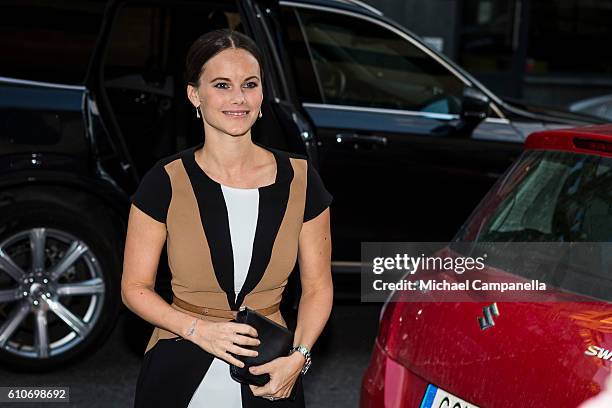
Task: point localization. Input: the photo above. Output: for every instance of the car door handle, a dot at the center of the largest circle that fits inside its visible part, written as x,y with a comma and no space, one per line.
357,138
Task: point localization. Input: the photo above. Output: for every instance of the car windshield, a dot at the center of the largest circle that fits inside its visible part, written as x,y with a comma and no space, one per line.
548,196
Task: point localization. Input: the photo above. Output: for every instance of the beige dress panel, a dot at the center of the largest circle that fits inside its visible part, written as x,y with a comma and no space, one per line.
190,262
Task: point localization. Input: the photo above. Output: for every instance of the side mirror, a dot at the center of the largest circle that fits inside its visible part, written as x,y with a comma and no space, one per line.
475,107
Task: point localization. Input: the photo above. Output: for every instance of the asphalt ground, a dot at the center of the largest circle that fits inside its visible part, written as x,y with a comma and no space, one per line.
108,377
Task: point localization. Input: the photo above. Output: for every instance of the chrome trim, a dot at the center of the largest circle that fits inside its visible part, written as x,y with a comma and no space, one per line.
430,115
498,111
501,121
347,263
362,5
41,84
469,81
347,267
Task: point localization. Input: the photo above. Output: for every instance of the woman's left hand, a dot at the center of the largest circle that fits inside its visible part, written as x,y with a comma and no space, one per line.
283,372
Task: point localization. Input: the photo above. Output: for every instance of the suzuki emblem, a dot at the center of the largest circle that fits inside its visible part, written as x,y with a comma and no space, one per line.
487,321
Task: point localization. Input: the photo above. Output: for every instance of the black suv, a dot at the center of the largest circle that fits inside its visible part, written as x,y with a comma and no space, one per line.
92,95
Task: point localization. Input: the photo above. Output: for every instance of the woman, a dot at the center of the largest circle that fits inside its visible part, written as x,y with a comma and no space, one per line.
235,217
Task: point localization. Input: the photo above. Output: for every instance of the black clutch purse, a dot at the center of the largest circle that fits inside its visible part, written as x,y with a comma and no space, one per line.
275,341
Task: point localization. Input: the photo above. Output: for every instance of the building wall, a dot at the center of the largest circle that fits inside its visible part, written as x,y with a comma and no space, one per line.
430,18
442,19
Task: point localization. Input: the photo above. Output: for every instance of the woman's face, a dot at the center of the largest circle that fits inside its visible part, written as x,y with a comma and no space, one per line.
230,92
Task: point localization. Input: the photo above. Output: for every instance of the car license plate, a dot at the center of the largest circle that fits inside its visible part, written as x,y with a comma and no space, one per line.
438,398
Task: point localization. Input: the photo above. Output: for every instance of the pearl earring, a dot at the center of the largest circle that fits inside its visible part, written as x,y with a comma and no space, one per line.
260,114
197,112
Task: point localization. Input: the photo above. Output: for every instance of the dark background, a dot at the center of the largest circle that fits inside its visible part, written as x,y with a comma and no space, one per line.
544,51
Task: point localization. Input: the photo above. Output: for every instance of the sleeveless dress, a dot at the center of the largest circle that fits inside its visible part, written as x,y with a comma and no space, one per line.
227,247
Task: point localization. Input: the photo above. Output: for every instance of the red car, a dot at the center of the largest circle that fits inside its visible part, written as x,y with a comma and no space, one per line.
539,354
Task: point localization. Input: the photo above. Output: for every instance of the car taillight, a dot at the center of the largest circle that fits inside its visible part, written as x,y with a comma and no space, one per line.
593,145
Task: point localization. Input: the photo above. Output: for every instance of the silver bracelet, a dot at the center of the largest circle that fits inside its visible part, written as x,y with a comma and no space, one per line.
302,349
192,328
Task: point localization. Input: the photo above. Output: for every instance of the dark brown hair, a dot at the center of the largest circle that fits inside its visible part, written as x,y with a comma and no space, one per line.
210,44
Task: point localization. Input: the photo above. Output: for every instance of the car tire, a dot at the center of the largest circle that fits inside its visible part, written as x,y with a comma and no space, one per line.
67,302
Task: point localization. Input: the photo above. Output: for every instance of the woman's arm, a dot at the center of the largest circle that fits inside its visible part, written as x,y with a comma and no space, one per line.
314,257
144,241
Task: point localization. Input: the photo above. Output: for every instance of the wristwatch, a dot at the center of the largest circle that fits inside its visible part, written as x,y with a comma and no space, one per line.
306,353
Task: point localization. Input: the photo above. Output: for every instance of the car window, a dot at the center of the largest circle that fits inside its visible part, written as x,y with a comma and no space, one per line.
560,197
48,41
550,197
361,63
305,79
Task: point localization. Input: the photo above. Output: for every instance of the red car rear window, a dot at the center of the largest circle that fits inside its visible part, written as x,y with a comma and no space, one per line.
547,196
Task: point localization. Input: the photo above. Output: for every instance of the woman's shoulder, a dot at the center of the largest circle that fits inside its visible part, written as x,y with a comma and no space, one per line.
155,181
154,192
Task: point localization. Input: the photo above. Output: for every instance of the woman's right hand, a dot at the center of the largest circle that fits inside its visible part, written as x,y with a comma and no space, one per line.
222,338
